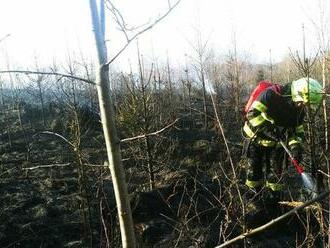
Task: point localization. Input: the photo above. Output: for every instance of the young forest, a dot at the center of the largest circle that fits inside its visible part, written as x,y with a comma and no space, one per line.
92,156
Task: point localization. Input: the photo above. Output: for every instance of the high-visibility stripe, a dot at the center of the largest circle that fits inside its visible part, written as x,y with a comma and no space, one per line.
252,184
259,106
295,140
292,142
300,129
274,186
266,143
251,135
248,130
266,117
256,121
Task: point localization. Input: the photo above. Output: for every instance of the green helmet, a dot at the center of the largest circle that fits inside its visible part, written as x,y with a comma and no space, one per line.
307,90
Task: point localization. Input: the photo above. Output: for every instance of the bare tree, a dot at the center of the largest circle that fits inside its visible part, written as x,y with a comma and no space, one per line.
323,40
109,129
236,77
188,85
108,114
38,86
146,118
305,66
138,115
200,58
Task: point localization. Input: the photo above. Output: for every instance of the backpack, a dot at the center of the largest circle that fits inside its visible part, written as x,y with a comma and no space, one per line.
261,87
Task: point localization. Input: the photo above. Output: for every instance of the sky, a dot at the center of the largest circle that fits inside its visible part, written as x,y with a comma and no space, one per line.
43,31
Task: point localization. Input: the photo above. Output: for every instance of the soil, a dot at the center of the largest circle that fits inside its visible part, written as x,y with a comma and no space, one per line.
45,206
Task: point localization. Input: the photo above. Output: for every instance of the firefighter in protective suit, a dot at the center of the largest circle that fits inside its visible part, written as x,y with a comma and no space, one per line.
277,114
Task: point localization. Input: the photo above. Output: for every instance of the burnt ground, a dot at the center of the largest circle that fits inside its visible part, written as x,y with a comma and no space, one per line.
40,207
193,205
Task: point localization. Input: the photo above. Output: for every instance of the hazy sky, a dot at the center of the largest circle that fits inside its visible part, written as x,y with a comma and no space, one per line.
49,29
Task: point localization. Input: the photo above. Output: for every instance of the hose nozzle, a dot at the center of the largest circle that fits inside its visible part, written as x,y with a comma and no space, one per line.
299,168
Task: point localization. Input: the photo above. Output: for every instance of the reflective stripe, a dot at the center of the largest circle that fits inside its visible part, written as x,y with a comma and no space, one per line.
292,142
252,184
295,140
266,117
259,106
248,130
274,186
300,129
266,143
262,142
256,121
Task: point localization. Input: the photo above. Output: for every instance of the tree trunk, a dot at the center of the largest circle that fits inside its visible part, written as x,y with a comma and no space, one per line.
172,111
19,115
115,160
149,164
41,102
324,105
146,120
204,99
110,132
191,125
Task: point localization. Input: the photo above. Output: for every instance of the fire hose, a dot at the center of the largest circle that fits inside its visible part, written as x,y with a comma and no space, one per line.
294,161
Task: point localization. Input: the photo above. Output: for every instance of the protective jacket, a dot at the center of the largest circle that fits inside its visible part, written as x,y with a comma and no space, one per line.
274,110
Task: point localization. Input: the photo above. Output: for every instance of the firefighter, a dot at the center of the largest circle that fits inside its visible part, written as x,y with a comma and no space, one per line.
277,113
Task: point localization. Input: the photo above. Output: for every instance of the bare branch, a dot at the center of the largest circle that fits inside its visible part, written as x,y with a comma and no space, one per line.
3,38
56,135
106,164
119,19
149,134
323,173
46,166
314,59
50,73
150,74
297,61
274,221
142,31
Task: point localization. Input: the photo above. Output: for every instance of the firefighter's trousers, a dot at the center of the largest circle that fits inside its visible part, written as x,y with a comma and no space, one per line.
265,167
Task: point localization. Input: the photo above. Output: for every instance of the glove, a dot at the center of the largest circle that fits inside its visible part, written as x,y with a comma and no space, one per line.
280,133
271,136
296,151
275,133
